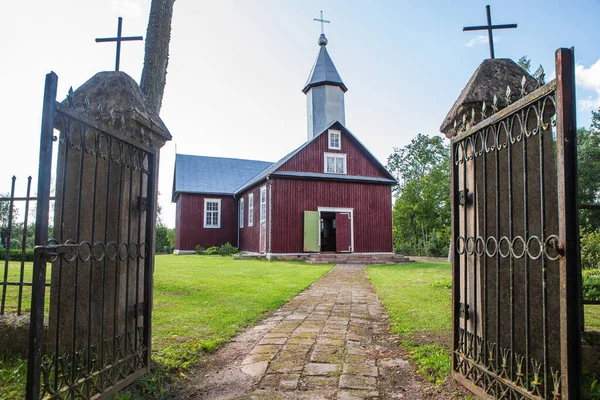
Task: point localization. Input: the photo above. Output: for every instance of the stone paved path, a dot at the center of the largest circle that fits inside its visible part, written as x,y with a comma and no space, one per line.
329,342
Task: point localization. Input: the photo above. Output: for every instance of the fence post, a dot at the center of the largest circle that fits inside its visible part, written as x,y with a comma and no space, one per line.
38,289
570,267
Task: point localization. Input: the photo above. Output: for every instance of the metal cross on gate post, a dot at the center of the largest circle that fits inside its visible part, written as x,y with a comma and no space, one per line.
489,27
119,39
321,20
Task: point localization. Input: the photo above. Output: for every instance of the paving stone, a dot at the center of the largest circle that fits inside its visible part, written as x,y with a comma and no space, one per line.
359,359
281,367
268,349
319,382
330,342
318,357
297,348
321,369
349,394
257,357
357,382
280,340
360,369
255,369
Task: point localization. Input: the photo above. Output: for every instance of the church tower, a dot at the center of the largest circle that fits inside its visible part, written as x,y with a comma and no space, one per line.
324,91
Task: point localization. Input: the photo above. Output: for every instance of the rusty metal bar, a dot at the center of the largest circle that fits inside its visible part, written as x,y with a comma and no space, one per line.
570,268
36,324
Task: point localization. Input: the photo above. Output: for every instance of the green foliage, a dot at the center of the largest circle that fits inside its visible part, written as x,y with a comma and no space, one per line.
525,63
590,250
199,249
15,254
227,249
432,360
13,375
419,304
442,284
163,244
211,251
421,213
588,159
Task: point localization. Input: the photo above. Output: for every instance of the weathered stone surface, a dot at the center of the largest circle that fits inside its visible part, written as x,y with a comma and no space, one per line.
490,78
321,369
255,369
357,382
117,91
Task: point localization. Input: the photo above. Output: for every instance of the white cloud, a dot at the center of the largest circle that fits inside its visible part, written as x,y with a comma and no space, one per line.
480,39
589,79
127,8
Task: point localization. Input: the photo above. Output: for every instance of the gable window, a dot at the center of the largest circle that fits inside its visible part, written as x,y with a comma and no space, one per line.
241,213
335,163
263,204
212,213
251,209
335,139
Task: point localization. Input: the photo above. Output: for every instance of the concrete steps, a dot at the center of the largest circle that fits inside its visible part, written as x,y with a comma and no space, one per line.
352,258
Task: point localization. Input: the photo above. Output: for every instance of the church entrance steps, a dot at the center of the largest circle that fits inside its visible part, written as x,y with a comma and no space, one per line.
332,258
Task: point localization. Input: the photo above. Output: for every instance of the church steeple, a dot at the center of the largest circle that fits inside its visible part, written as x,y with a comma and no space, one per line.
324,91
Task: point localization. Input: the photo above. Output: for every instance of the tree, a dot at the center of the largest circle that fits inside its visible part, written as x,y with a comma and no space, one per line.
525,63
588,160
156,53
421,214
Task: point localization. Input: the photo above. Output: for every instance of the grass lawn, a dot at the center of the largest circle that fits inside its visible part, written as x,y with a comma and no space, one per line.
419,303
12,292
200,302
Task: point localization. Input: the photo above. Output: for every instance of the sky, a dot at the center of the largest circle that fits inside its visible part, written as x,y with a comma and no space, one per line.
237,67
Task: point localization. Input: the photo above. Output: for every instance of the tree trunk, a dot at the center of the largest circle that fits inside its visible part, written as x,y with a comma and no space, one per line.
156,57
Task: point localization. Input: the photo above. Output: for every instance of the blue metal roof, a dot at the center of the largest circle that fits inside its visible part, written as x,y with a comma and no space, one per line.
216,175
324,72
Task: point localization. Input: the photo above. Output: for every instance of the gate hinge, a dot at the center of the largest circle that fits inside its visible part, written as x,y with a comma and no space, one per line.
51,252
462,196
464,311
138,310
142,203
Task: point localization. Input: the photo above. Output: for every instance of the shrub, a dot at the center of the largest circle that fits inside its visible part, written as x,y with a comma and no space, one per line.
199,249
590,250
227,249
212,251
15,254
591,284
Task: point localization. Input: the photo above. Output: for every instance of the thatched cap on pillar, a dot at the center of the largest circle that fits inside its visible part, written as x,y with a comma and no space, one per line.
113,97
488,84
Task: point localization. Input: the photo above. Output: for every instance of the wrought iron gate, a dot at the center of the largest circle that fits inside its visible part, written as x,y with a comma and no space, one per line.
516,272
91,335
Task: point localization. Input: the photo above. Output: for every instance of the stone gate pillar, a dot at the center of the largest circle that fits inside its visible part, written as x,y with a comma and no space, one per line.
106,177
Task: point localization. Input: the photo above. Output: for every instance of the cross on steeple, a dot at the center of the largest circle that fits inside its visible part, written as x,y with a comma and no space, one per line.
119,39
321,20
489,27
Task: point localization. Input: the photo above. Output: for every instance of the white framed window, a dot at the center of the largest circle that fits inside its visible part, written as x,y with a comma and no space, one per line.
335,139
212,213
242,212
335,163
251,209
263,204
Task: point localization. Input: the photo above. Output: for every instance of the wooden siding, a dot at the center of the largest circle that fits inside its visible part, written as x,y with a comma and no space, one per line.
250,235
372,204
311,159
189,222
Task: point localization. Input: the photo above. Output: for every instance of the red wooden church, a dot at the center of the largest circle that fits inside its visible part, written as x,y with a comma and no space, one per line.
328,195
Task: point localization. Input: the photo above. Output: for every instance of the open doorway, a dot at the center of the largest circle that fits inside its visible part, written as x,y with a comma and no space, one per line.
328,241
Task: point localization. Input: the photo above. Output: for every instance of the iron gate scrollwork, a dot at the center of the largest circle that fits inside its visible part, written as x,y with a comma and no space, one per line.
516,266
91,335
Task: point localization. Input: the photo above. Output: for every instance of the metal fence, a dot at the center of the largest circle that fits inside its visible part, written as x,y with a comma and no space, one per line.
16,249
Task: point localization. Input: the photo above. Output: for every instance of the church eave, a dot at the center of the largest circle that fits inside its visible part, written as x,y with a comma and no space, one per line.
332,83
